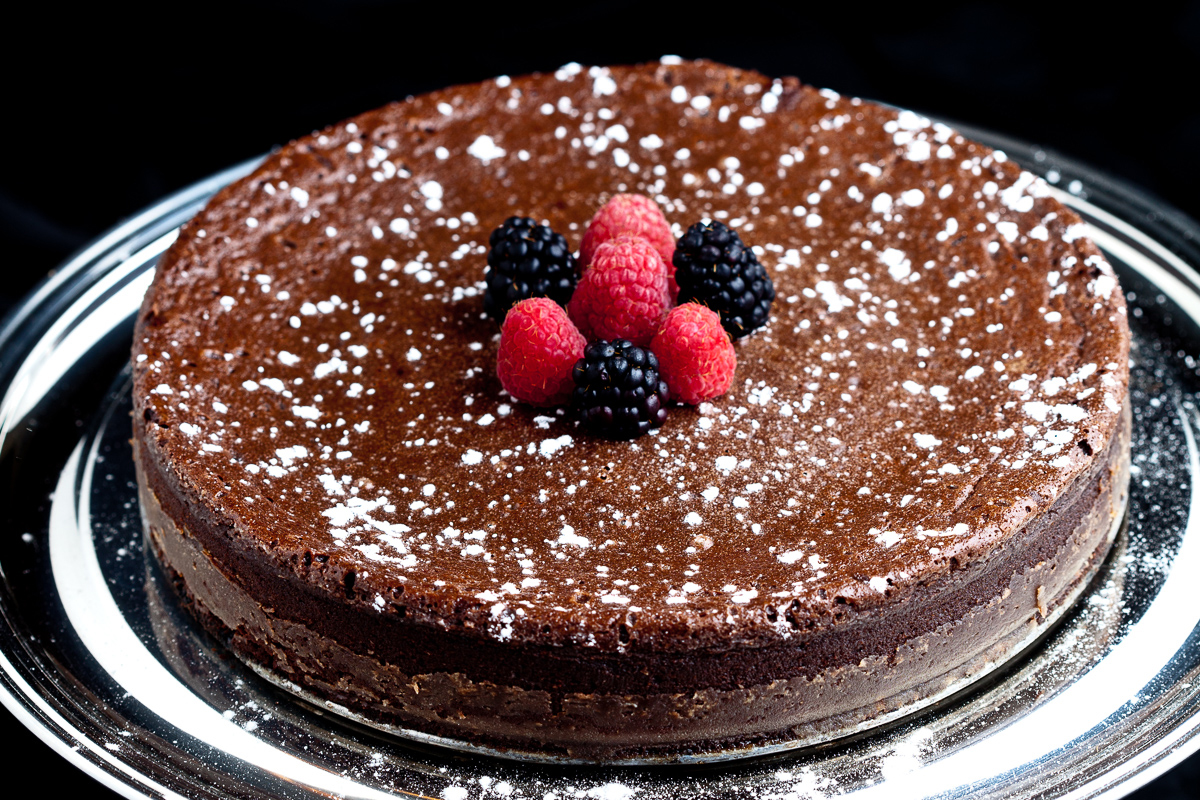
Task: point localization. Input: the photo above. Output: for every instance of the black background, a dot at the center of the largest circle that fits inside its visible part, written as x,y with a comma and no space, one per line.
106,110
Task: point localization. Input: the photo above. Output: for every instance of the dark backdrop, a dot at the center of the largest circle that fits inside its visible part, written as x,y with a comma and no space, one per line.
105,111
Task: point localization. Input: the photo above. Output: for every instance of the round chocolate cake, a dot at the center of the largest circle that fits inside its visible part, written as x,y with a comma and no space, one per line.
918,467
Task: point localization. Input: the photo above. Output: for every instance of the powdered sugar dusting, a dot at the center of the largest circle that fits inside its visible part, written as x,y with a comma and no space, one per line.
485,149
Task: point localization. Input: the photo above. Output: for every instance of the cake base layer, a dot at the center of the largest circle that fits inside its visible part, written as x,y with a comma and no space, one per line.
859,674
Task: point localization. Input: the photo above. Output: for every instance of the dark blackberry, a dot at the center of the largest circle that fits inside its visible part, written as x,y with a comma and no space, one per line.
617,390
526,260
713,268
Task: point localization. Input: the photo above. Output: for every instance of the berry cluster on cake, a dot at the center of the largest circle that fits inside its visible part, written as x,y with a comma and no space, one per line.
916,467
624,306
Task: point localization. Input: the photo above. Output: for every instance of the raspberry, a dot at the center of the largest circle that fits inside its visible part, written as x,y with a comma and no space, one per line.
635,215
695,356
623,294
617,390
538,349
715,269
526,260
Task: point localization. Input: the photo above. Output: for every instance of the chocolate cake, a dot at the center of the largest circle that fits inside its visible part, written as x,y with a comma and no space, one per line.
918,467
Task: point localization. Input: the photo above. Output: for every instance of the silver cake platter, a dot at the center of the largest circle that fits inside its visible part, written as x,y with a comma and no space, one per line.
99,660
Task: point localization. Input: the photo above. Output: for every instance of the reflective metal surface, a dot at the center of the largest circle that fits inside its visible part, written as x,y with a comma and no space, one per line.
97,657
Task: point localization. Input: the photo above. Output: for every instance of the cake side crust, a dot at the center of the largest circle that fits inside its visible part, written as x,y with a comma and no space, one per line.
788,710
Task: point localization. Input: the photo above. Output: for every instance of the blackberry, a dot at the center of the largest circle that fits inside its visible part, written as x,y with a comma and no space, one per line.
526,260
713,268
618,393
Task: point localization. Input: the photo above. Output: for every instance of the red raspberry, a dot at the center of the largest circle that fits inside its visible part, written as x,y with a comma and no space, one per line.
538,349
695,356
636,215
623,294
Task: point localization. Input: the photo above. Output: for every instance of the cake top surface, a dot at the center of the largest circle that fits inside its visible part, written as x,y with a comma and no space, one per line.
946,354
